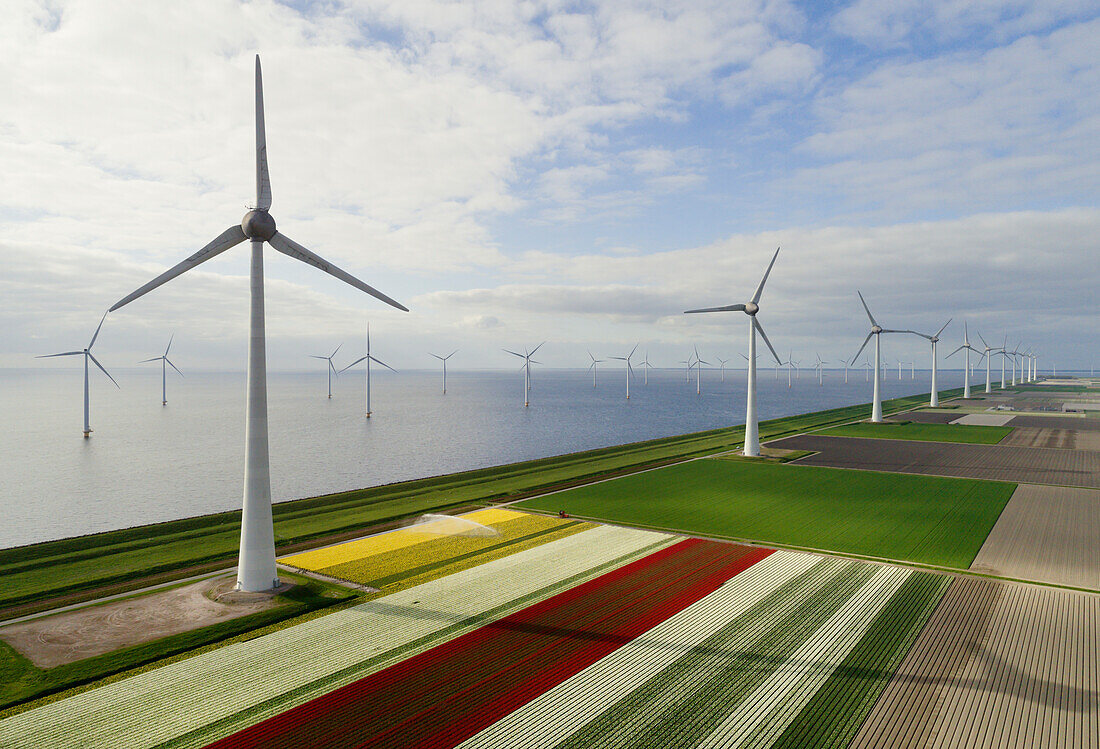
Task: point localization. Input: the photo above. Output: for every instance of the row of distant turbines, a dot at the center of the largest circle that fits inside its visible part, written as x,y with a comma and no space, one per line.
256,570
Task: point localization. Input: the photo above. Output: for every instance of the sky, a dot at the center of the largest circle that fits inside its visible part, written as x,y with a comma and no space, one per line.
578,173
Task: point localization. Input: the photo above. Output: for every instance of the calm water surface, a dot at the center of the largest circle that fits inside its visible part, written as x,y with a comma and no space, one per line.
146,463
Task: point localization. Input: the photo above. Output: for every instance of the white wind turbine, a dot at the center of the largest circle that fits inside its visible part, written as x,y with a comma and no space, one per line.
592,367
86,352
164,371
876,331
1003,352
330,370
256,569
934,399
646,366
698,371
526,367
750,308
368,359
988,354
966,369
866,370
629,369
444,360
819,366
722,367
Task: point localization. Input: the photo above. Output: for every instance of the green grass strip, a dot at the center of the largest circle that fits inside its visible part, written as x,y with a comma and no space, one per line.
966,433
838,709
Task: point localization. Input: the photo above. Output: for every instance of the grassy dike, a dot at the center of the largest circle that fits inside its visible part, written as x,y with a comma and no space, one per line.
46,575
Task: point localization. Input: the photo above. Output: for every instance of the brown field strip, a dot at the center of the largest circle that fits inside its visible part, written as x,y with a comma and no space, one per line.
1076,423
1048,534
997,665
992,462
927,417
1059,439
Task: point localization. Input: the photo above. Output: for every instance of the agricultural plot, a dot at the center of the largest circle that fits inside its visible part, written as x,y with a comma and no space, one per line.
999,665
1048,534
892,430
991,462
927,417
405,557
198,700
1057,421
792,650
921,519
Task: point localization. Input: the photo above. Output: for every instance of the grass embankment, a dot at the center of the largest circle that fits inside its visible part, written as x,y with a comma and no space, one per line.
21,680
908,430
1055,388
46,575
924,519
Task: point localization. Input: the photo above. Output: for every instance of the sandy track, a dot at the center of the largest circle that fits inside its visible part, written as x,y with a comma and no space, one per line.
1048,534
998,664
74,635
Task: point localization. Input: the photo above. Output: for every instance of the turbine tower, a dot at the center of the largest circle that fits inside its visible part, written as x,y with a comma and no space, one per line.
368,359
86,352
629,369
966,369
330,370
256,569
934,398
444,360
164,371
526,367
876,332
592,367
750,308
698,371
722,364
646,366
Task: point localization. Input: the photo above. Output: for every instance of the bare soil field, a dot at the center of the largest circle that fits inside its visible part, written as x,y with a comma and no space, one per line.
992,462
926,417
1048,534
997,665
1060,421
1062,439
74,635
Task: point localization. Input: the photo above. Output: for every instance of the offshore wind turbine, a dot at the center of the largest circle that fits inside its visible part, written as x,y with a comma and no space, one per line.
750,308
820,365
163,359
592,367
526,367
876,332
722,364
331,370
698,371
86,352
444,360
934,398
646,366
629,369
966,369
256,568
368,359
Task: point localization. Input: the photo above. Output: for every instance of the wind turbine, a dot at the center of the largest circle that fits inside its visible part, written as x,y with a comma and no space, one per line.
988,354
820,366
698,371
866,370
256,569
164,372
722,370
592,367
331,370
1003,351
750,308
1012,357
368,359
444,360
526,367
934,398
876,331
86,352
846,363
966,370
629,369
790,363
646,366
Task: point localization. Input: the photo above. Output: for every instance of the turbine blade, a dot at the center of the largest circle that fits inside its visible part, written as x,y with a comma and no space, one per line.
982,339
333,368
869,315
361,358
727,308
379,361
865,342
760,330
173,366
314,356
334,352
760,288
104,371
513,353
945,326
288,246
96,334
232,236
67,353
263,180
437,356
960,348
632,351
448,356
536,348
146,361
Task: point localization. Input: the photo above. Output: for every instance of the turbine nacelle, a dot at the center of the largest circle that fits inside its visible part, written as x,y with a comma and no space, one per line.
751,308
258,224
876,329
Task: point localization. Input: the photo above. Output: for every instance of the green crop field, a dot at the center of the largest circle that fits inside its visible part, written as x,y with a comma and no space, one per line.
908,430
924,519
